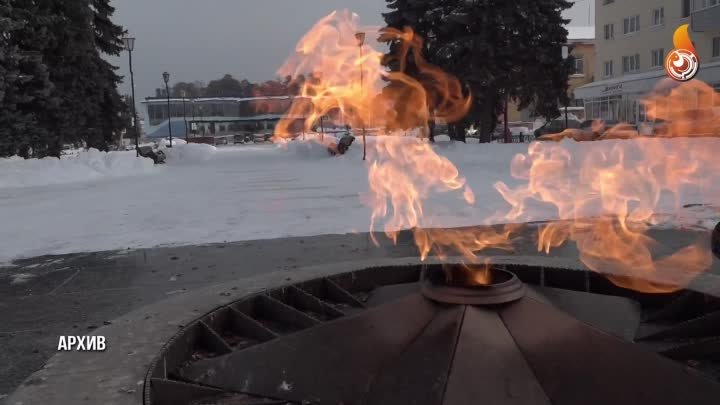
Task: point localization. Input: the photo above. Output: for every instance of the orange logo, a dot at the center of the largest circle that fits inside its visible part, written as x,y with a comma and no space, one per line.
682,63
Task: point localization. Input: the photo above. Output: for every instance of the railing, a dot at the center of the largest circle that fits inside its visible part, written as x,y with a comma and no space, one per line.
523,138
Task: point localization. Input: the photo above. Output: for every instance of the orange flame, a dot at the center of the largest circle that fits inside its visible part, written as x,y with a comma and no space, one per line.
626,181
352,83
348,79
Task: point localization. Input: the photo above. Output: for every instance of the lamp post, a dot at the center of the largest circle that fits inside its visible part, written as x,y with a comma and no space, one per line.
166,78
129,44
185,116
565,56
192,110
506,125
322,128
360,37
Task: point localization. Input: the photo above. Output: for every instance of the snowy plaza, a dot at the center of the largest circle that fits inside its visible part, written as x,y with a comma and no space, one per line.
98,201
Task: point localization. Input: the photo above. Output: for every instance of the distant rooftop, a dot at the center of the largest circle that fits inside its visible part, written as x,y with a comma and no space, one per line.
155,100
577,33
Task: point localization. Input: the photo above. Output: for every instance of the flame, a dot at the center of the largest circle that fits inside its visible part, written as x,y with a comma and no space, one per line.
402,174
349,82
626,182
480,274
689,109
348,78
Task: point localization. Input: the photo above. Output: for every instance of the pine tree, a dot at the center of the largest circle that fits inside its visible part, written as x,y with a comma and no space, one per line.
497,48
9,73
24,80
413,14
108,35
89,109
108,40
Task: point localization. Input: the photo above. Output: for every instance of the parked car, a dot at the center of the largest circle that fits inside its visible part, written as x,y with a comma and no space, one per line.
555,127
593,130
157,156
620,131
652,128
261,138
702,127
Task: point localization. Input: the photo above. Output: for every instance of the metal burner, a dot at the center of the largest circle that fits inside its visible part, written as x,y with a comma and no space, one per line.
387,336
458,286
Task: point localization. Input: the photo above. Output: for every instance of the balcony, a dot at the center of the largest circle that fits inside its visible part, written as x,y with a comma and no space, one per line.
705,19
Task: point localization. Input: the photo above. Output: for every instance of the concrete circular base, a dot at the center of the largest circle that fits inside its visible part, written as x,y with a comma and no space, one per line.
117,375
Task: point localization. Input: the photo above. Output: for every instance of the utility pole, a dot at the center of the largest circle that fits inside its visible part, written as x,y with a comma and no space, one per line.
166,78
129,46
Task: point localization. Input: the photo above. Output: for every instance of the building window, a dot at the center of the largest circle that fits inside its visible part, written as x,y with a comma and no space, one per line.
609,68
657,56
609,31
631,24
716,47
631,63
685,8
606,2
658,16
701,4
579,65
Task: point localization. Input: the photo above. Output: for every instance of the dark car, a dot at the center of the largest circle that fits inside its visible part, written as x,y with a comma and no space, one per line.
157,156
241,138
620,131
555,127
591,130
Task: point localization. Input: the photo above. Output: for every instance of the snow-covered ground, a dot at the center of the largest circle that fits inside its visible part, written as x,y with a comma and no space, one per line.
95,201
77,167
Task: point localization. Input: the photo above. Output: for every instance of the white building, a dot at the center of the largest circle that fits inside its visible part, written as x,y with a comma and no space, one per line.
632,39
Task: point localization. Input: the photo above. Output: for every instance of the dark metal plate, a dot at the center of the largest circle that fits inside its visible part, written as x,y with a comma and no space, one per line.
618,316
419,375
488,367
330,363
577,364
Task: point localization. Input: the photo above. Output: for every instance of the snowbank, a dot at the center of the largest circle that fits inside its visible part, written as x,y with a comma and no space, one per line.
84,166
175,142
190,153
314,147
269,191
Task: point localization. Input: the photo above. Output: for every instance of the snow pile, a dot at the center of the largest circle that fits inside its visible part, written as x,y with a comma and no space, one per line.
84,166
175,142
314,147
190,153
269,191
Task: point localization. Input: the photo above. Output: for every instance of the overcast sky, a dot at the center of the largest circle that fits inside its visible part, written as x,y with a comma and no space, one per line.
204,39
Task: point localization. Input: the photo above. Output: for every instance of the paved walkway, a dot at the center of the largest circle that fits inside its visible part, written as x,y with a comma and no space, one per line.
43,298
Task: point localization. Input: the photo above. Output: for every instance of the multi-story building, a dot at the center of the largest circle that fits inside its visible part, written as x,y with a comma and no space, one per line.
633,37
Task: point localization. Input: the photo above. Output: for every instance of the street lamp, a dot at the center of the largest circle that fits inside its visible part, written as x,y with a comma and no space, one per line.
185,116
565,56
129,44
506,124
166,78
360,37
